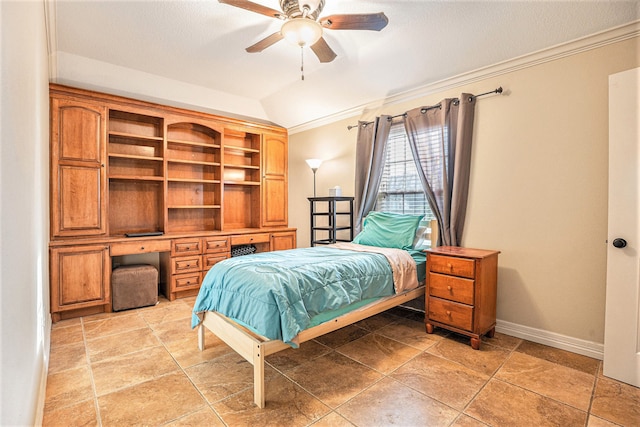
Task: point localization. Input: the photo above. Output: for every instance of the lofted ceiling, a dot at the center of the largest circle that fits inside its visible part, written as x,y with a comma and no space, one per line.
200,45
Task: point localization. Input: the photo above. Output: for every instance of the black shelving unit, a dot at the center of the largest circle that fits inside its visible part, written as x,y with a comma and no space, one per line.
331,208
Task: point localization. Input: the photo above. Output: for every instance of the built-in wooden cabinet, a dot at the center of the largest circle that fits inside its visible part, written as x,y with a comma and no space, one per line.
193,177
80,278
188,262
284,240
122,167
274,180
78,173
241,178
135,172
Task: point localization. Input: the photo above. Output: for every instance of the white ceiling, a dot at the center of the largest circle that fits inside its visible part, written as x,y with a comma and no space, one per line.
202,43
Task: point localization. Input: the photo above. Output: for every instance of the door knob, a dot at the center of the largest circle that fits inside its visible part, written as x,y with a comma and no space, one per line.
619,243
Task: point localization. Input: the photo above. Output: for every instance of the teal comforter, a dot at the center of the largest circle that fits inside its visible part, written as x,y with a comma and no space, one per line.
276,294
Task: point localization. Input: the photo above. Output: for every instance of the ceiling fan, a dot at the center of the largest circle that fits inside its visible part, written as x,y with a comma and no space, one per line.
302,26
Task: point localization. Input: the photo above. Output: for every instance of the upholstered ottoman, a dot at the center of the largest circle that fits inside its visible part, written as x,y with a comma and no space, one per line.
134,286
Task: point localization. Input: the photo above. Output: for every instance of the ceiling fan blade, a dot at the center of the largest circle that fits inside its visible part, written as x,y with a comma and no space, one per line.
360,21
254,7
323,51
265,43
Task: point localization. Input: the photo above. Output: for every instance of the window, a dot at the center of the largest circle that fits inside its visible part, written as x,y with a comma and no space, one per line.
400,189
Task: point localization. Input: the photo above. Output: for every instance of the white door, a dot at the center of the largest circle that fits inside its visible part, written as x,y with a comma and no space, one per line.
622,319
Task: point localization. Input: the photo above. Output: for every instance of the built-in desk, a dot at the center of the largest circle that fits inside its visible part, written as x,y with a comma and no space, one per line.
81,269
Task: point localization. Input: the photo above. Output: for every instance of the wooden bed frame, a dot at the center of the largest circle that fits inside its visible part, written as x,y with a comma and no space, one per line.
254,348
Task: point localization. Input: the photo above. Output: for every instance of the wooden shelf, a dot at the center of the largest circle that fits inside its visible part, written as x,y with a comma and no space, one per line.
193,162
192,143
195,207
194,180
241,182
135,126
241,149
136,178
134,137
136,157
230,166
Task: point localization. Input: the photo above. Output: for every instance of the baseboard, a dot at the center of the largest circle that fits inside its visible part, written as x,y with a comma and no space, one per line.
552,339
44,371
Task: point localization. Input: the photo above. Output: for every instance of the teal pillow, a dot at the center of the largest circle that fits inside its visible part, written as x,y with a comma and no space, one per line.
388,230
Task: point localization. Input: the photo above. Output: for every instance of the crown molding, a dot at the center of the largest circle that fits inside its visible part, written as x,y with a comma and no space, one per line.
573,47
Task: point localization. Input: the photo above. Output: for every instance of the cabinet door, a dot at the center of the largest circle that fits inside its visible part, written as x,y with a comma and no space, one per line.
78,177
274,180
80,277
283,241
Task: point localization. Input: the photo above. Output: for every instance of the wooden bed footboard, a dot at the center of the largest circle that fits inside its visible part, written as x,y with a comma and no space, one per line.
254,348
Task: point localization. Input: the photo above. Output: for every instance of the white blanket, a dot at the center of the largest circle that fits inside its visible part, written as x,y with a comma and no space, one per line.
403,266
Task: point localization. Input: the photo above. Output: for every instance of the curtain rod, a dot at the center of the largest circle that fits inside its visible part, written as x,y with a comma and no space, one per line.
425,109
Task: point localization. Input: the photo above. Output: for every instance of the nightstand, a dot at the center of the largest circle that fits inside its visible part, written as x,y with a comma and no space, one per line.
461,291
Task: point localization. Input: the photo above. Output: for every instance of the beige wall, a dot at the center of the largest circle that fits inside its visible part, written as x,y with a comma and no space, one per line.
24,212
538,189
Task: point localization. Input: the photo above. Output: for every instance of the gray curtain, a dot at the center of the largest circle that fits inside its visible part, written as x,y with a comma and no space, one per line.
370,151
440,140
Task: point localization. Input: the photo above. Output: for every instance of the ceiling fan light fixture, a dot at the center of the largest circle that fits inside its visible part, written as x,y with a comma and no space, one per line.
301,31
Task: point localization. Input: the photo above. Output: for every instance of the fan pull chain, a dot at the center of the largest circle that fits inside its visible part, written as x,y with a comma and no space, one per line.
302,62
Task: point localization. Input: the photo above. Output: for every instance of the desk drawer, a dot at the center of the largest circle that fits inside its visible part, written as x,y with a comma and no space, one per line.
186,264
451,313
182,282
451,287
188,246
247,239
209,260
216,244
449,265
140,247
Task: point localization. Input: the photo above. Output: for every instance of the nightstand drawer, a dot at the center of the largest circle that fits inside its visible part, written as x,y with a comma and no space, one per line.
451,287
451,313
456,266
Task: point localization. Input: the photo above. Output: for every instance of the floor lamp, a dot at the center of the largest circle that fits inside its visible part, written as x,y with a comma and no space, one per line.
314,164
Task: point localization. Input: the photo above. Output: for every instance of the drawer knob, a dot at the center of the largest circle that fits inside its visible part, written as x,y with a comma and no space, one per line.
142,248
450,266
448,288
448,313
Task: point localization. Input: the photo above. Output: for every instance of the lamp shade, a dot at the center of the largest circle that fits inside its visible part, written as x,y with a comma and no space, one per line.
301,31
314,164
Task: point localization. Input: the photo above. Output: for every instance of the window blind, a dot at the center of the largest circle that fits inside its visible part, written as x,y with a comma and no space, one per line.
400,190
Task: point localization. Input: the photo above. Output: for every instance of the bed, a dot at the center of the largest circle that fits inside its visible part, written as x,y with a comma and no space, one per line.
263,303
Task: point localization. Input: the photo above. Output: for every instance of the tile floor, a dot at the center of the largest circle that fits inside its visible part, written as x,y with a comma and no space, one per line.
143,367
